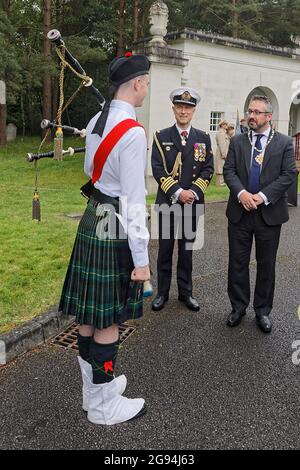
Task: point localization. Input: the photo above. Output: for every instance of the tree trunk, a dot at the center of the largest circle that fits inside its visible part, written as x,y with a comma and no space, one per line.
235,19
29,110
6,4
135,20
47,102
144,18
23,116
121,28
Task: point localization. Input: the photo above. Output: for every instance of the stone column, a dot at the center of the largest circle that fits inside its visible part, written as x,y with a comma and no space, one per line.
2,113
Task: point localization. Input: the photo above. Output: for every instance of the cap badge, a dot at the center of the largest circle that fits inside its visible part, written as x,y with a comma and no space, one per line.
186,96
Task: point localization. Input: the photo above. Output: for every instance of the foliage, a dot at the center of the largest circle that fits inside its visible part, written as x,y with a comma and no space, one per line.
92,30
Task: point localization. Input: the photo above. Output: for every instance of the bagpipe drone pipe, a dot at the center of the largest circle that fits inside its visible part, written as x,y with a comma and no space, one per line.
67,61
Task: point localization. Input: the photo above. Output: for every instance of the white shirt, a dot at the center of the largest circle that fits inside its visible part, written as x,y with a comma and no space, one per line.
263,141
123,175
180,130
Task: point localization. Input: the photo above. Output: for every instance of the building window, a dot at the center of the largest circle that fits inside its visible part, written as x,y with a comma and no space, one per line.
215,118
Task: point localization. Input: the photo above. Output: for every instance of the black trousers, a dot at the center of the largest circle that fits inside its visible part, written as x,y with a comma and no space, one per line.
240,238
168,228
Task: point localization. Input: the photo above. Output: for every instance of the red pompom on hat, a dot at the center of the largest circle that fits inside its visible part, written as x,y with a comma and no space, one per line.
128,54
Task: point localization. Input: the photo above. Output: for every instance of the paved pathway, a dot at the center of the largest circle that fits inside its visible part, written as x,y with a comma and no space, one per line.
206,386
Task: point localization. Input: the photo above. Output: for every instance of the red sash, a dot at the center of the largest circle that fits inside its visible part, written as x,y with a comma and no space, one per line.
108,144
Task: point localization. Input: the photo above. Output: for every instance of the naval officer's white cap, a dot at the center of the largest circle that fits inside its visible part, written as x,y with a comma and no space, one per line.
185,95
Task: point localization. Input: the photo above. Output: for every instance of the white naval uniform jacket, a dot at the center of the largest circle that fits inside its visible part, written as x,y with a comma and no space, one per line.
123,175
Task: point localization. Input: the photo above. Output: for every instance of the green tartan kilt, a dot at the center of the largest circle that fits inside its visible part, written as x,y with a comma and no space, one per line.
98,289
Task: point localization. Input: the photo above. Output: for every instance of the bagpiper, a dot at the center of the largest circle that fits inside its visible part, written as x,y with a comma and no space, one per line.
109,263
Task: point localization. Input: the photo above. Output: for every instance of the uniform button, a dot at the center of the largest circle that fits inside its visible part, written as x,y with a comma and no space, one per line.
194,167
194,176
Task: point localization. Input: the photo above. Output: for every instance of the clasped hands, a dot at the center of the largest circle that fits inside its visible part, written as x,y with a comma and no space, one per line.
186,196
250,201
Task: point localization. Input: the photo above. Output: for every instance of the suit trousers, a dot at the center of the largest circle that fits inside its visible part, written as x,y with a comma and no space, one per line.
170,229
240,238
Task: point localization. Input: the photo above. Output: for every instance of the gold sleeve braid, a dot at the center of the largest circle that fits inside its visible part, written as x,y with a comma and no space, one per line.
202,184
167,183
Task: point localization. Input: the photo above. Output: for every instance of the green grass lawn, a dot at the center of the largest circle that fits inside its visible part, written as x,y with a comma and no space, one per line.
34,256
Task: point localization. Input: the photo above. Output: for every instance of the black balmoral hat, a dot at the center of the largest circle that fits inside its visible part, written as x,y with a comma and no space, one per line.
123,69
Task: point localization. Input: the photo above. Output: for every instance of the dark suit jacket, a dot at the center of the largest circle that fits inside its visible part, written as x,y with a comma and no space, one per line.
195,175
276,176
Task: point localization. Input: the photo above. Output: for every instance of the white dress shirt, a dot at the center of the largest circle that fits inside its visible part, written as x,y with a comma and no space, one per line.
123,175
263,141
181,130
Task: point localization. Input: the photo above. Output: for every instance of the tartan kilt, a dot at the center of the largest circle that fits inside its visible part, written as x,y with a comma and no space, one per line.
98,289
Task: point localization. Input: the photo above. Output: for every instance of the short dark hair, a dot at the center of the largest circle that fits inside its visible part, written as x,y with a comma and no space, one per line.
265,100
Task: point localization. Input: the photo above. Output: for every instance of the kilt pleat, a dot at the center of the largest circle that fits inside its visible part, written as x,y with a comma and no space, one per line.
98,289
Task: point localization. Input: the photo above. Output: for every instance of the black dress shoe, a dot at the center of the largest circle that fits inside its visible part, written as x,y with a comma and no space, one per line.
264,323
159,302
190,302
235,318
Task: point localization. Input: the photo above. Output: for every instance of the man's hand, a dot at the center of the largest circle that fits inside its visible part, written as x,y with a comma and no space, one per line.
141,274
248,201
258,199
186,196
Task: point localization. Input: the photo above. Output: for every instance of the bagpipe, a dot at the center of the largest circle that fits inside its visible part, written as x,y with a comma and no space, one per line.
37,156
66,57
67,61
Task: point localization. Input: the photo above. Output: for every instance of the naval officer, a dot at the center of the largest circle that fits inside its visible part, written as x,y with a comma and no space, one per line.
182,165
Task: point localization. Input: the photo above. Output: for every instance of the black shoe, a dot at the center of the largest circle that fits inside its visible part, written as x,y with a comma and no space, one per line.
264,323
159,302
189,302
235,318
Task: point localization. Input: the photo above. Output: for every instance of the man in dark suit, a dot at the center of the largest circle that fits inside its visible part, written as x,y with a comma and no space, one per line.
182,164
259,170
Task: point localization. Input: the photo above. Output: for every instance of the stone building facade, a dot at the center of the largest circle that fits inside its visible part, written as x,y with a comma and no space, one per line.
225,71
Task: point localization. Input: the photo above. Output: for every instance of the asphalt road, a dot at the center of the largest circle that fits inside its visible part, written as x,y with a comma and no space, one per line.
206,386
